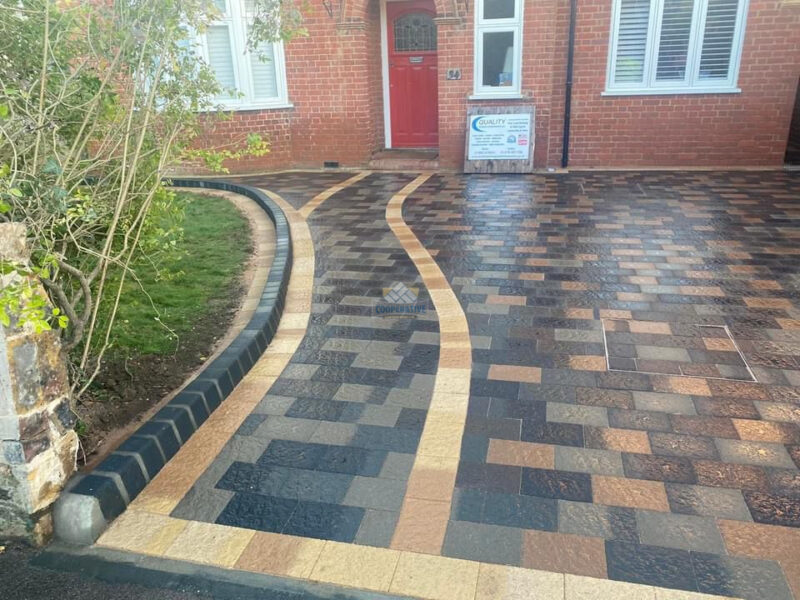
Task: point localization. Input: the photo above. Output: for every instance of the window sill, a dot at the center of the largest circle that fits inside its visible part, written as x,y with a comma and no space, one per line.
513,96
671,91
261,106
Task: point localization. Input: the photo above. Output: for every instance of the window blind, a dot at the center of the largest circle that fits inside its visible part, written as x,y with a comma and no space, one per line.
634,23
673,47
218,42
265,83
718,37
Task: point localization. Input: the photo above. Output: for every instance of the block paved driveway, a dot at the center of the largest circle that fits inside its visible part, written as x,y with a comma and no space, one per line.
327,452
589,297
633,373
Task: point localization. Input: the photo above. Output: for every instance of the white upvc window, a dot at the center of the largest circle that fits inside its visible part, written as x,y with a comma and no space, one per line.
675,46
250,80
498,48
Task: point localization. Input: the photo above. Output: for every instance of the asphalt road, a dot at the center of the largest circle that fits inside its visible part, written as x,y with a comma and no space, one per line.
21,581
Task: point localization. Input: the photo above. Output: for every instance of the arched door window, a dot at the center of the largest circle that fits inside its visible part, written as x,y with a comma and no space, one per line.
414,32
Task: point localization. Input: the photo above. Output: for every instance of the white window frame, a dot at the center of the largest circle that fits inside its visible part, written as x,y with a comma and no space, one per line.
515,26
235,20
691,83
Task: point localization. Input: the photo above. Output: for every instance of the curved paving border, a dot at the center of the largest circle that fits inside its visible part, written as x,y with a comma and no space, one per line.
93,500
426,507
317,200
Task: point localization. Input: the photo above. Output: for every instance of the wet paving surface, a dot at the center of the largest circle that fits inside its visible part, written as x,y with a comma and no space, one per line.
296,187
328,451
634,408
591,299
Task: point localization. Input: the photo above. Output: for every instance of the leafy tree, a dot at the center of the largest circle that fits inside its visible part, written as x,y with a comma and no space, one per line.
98,102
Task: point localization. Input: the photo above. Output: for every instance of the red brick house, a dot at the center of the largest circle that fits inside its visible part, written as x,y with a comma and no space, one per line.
655,83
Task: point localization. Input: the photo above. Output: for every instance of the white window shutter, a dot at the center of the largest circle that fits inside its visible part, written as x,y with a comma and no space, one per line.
634,22
220,57
720,28
247,81
265,82
673,47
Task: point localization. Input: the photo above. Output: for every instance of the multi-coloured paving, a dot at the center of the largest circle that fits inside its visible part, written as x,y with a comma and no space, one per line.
572,386
327,452
618,321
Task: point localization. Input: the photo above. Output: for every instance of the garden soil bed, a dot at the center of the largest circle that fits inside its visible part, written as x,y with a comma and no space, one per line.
128,388
133,385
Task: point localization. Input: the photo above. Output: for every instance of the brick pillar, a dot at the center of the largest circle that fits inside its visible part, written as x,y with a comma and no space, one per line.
38,446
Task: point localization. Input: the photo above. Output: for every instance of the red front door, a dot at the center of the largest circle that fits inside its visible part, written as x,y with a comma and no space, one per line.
413,79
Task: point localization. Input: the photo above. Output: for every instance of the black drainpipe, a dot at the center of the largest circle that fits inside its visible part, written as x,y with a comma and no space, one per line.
573,7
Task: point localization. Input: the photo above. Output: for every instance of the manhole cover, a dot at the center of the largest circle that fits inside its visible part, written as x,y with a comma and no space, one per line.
681,349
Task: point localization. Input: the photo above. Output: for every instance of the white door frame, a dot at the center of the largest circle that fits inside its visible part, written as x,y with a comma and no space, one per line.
387,109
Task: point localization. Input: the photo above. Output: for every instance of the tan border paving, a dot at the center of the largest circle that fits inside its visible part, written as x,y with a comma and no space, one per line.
146,527
362,567
425,511
312,204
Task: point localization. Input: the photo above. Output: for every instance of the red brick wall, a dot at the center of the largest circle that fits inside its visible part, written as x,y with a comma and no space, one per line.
455,52
335,83
747,129
333,80
274,125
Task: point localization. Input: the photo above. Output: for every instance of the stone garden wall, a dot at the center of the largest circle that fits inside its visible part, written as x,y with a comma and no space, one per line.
38,446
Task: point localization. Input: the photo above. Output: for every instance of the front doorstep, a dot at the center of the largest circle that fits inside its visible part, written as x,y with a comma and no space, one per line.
405,159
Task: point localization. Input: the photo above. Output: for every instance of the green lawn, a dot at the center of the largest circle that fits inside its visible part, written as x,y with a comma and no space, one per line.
216,245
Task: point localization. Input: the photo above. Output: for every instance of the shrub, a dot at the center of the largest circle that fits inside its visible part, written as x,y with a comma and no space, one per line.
98,101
